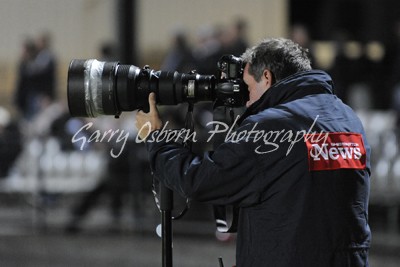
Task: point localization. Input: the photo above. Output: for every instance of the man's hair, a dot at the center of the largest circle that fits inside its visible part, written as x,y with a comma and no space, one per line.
281,56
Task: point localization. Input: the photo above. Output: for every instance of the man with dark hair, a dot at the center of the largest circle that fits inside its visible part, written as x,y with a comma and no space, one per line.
299,173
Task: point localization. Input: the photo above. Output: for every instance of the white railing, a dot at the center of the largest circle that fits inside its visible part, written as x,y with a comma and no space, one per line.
43,166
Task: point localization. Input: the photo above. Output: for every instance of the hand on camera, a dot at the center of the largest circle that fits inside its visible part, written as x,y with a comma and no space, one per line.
148,122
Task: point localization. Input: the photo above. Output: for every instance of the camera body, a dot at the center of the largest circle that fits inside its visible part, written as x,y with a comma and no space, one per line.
109,88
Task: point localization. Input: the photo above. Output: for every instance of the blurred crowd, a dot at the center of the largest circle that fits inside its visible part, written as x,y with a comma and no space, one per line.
365,72
365,76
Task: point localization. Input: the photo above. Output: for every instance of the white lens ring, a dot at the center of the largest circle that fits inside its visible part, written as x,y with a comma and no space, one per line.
93,87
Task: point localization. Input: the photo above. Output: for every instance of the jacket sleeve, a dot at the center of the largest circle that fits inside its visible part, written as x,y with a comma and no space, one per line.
233,174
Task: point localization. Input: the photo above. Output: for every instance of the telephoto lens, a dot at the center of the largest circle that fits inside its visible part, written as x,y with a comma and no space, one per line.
108,88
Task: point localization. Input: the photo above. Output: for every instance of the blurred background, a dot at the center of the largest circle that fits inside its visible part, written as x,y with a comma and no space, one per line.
66,201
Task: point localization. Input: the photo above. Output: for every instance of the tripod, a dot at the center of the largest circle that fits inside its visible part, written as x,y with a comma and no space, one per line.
167,204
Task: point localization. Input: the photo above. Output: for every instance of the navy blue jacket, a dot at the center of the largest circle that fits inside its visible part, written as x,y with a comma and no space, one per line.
301,203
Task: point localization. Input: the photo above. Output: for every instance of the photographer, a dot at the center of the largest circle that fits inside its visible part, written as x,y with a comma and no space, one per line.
299,173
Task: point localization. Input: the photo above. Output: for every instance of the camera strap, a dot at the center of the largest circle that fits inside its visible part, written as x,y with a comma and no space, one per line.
227,115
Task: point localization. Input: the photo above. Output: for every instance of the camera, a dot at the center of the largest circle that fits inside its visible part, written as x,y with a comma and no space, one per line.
108,88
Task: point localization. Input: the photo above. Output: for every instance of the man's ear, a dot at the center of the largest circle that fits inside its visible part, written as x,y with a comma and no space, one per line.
268,77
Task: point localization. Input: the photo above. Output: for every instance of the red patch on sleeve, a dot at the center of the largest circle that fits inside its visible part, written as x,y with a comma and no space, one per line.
332,151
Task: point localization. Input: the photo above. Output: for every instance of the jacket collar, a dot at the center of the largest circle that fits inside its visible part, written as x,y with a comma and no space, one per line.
291,88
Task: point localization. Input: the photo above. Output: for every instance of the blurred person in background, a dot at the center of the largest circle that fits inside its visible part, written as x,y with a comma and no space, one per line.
122,184
44,67
24,96
392,60
348,68
206,50
179,57
108,51
214,42
392,57
234,38
300,34
36,76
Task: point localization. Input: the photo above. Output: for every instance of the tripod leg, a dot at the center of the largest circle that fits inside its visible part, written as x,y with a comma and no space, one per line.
166,206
